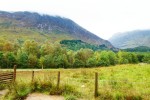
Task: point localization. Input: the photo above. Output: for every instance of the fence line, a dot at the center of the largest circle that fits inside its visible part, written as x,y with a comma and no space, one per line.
95,80
119,81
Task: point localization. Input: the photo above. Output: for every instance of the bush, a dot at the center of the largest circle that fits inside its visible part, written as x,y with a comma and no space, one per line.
70,97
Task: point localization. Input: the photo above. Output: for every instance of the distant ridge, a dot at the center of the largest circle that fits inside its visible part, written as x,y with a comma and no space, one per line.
131,39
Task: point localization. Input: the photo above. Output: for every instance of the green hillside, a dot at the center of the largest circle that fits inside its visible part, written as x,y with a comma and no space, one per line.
22,34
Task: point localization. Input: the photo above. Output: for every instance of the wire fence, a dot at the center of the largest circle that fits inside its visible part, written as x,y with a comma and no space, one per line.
59,79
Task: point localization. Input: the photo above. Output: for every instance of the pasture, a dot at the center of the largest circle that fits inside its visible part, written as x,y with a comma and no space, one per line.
120,82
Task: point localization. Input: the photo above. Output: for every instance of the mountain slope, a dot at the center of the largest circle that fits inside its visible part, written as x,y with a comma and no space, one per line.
131,39
55,27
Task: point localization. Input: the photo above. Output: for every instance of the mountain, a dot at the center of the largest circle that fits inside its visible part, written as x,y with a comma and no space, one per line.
27,25
131,39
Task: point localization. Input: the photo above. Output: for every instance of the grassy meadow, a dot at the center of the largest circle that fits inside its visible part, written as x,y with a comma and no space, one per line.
120,82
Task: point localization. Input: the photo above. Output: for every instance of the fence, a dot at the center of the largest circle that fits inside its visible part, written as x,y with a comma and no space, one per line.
11,76
8,77
58,82
95,81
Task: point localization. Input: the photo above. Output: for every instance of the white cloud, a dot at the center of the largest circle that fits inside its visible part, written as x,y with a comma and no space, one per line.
102,17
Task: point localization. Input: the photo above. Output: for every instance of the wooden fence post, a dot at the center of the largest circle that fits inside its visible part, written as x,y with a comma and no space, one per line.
96,85
32,76
58,79
14,75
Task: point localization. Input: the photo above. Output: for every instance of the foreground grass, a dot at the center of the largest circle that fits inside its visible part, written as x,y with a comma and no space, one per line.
121,82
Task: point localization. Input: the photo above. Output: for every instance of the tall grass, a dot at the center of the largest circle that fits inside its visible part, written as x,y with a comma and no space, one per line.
121,82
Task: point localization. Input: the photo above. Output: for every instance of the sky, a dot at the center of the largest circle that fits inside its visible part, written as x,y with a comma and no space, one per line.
101,17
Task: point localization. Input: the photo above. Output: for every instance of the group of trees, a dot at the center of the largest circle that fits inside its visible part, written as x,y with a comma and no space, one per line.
31,54
78,44
138,49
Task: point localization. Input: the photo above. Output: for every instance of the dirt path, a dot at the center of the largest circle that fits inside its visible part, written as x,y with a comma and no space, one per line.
3,92
39,96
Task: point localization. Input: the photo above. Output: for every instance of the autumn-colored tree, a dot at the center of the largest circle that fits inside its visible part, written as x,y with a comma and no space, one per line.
2,42
42,62
8,46
31,47
47,48
71,59
32,61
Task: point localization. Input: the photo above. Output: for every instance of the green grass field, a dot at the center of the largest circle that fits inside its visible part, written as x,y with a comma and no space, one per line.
121,82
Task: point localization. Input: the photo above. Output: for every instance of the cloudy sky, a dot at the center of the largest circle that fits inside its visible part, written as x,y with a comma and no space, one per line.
101,17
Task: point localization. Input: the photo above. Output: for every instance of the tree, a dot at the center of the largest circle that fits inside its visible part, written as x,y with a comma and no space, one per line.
146,58
78,63
140,57
104,59
42,62
134,58
2,42
10,59
47,61
81,57
61,61
91,62
32,61
46,49
1,60
8,46
129,57
112,58
71,59
30,47
122,57
96,56
60,56
17,46
22,59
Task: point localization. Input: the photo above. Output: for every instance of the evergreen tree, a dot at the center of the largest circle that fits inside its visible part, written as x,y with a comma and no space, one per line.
22,58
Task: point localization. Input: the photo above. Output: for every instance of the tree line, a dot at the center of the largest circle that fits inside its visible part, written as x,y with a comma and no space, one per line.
31,54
